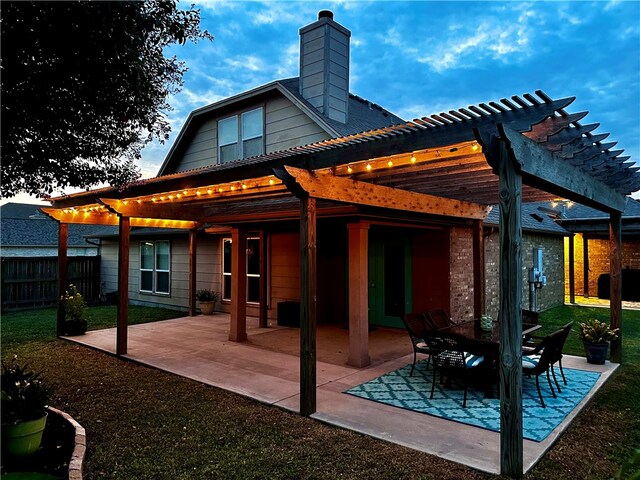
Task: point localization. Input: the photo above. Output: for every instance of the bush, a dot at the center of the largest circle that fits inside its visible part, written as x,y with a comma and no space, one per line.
75,310
207,296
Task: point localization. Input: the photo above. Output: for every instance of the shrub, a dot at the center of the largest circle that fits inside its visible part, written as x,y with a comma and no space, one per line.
75,310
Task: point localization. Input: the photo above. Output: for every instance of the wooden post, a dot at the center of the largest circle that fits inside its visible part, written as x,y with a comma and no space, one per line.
615,272
123,285
358,294
572,270
308,301
193,256
264,300
63,234
478,269
238,327
585,265
510,288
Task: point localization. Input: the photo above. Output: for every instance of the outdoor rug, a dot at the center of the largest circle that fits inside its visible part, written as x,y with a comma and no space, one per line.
412,393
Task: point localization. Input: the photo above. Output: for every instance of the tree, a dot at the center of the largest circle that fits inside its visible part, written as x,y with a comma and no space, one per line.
85,87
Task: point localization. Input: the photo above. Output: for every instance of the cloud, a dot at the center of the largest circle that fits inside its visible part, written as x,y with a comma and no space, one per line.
289,61
249,62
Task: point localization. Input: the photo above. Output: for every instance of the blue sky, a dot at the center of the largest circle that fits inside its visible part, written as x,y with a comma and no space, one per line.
418,58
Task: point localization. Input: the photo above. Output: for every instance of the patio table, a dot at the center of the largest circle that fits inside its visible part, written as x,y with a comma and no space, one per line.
482,342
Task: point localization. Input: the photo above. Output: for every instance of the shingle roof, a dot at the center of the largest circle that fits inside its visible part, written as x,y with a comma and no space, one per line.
23,225
577,211
362,114
533,219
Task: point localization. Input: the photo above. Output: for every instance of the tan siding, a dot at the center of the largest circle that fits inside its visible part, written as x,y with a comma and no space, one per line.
284,269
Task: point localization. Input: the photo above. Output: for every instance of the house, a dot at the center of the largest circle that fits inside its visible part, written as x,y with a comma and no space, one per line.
587,270
540,233
358,228
29,250
27,232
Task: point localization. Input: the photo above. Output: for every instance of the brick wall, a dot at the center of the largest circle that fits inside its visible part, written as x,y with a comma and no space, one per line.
598,251
551,295
461,273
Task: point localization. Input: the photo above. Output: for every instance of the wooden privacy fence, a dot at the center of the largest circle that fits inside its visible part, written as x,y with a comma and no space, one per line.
29,282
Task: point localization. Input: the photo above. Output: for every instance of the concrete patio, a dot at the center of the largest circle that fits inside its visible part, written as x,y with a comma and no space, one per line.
266,368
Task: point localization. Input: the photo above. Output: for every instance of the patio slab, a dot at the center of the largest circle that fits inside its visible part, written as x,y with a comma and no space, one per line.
198,348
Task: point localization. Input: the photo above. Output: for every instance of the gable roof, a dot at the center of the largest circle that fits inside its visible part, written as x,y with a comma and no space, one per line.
363,115
23,224
534,219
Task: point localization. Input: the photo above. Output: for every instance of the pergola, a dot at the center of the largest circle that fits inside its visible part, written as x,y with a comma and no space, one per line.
454,164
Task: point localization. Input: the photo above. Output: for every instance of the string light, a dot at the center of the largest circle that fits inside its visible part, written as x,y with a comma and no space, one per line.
271,182
389,163
413,159
198,193
368,167
153,199
349,169
244,186
209,191
474,147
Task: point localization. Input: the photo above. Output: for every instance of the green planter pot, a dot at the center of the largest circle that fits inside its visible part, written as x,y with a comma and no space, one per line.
23,438
596,352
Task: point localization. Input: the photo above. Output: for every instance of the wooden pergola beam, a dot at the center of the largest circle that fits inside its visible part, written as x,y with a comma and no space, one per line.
542,169
345,190
79,217
167,211
63,235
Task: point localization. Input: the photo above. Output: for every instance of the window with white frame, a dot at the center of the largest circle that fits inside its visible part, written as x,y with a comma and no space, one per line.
253,269
241,136
155,266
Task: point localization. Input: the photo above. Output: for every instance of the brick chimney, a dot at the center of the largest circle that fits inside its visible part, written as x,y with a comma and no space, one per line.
324,66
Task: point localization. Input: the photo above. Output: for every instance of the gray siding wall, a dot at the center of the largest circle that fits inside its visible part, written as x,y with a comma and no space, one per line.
324,69
550,295
208,273
202,150
286,126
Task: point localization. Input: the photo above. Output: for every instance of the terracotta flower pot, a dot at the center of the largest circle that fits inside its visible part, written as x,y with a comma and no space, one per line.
207,308
23,438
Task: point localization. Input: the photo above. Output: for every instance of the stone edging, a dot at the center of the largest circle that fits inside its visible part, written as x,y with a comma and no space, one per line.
77,456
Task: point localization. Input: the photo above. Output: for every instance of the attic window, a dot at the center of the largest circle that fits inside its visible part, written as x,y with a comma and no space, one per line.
240,136
537,217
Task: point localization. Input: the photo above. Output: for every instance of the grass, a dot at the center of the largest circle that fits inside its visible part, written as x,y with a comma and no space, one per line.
145,423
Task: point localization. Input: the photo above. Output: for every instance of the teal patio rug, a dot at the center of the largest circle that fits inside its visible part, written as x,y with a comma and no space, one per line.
412,393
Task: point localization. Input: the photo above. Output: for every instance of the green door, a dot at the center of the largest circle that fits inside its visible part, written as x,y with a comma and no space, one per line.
389,281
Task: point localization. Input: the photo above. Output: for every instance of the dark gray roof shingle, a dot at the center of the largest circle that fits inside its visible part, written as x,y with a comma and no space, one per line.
23,225
533,219
362,114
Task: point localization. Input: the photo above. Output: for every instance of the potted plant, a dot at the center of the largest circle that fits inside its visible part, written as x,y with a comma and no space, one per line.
207,299
596,336
24,399
75,310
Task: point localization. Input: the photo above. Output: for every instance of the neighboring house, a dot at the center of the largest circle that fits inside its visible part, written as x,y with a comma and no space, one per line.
29,251
539,232
591,249
27,232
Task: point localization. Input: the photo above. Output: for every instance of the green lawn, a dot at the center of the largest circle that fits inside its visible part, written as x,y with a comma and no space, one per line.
145,423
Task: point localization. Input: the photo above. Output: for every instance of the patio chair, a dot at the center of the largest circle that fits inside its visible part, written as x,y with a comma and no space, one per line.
417,327
562,333
452,359
439,318
541,359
